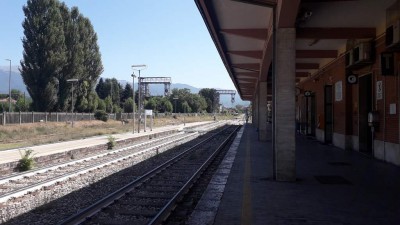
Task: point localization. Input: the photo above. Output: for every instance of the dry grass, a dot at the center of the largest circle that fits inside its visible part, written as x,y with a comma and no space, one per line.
25,135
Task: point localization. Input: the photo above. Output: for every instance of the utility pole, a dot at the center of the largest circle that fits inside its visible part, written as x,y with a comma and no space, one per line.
139,68
72,81
133,88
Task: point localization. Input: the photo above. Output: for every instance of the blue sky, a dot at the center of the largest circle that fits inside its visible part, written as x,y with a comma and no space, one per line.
167,35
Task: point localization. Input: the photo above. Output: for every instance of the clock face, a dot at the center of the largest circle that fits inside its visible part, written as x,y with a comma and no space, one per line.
307,93
352,79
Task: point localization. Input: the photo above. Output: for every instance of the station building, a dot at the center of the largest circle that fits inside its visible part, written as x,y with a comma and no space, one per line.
330,69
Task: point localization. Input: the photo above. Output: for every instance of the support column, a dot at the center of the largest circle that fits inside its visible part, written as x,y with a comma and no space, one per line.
284,102
262,111
253,111
255,119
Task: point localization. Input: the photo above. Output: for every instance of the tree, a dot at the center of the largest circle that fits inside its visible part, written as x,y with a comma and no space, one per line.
102,105
116,108
197,103
93,102
126,93
210,95
16,94
151,104
186,108
44,54
128,105
109,104
165,105
22,105
101,89
59,44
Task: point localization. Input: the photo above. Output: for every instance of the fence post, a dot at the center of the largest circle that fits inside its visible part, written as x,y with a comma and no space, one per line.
57,117
4,118
33,117
20,119
45,117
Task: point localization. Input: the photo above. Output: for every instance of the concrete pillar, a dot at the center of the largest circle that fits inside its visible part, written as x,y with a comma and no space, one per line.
262,111
284,102
253,112
255,119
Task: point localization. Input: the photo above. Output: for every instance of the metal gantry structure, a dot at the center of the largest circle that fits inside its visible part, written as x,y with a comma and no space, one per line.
144,86
225,92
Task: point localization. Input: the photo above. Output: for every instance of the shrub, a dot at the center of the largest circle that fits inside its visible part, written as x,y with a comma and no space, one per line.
101,115
26,162
111,142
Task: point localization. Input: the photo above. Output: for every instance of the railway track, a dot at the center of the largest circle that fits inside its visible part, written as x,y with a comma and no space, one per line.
150,198
24,183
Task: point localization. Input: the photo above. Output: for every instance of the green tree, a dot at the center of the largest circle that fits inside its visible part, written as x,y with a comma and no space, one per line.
59,44
109,104
128,105
164,105
101,105
16,94
126,93
101,89
197,103
93,102
22,105
116,108
44,54
210,96
151,104
186,108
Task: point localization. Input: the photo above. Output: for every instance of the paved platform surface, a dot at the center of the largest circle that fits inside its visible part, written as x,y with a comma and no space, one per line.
13,155
369,192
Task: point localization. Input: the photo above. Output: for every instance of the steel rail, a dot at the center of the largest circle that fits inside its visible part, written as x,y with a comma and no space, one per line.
167,209
93,209
18,176
30,188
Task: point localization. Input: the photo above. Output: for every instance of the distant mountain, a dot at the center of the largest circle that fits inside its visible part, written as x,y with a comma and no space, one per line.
156,89
16,81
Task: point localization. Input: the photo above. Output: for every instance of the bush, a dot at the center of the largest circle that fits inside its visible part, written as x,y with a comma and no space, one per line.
111,142
26,162
101,115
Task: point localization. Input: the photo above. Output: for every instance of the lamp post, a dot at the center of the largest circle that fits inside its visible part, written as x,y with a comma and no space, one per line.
9,87
133,88
72,99
139,68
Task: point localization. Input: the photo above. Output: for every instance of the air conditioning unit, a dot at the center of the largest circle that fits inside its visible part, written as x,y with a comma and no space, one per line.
393,34
349,58
362,53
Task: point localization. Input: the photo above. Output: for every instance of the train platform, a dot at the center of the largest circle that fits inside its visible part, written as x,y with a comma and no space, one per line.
333,187
13,155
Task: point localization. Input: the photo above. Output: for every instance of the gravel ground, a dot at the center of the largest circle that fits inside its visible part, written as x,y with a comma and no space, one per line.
65,198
